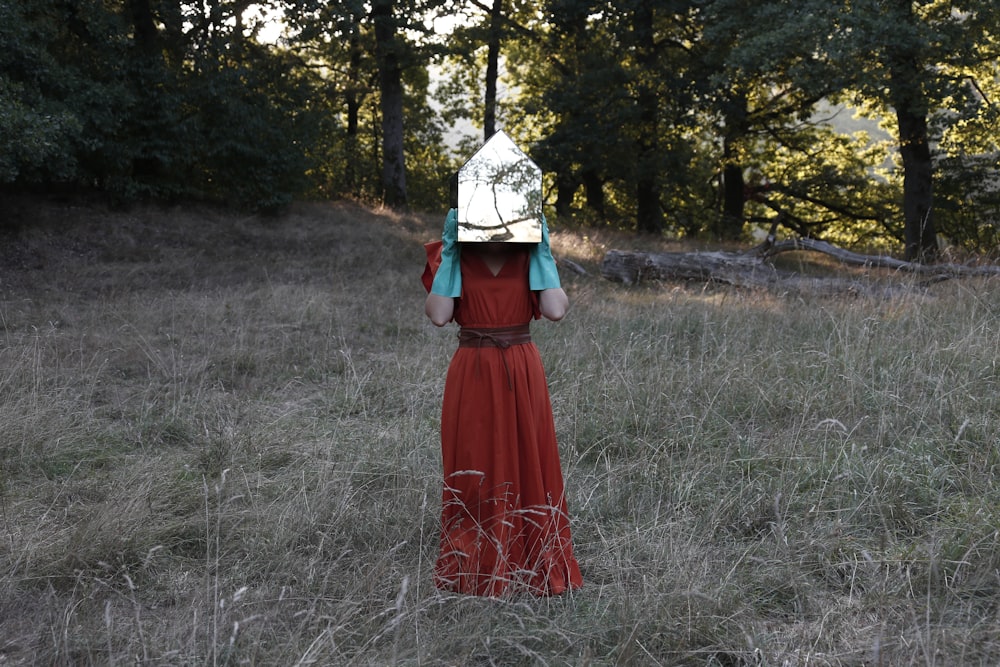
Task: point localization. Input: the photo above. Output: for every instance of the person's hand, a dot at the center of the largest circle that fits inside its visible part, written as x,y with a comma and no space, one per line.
542,272
448,279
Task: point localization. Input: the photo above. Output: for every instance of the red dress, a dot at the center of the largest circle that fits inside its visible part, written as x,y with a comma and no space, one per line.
504,524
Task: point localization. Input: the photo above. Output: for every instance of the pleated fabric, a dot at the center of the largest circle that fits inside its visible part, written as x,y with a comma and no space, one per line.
504,522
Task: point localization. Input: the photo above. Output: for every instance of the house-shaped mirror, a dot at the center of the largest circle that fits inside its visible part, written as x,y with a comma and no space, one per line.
500,195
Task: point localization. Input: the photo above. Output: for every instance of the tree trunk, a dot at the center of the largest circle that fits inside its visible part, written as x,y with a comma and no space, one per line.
594,188
906,73
733,189
730,225
391,88
649,216
918,187
146,36
172,19
146,75
566,186
353,107
492,71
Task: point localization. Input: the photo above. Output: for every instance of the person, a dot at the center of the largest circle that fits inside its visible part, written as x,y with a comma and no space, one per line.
504,521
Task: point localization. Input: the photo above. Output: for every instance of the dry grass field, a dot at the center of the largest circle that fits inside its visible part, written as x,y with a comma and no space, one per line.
218,446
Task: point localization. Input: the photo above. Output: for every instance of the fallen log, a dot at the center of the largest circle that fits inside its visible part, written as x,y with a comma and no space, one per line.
753,268
631,268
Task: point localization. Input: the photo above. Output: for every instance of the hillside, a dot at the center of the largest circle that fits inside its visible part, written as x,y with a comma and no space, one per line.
218,445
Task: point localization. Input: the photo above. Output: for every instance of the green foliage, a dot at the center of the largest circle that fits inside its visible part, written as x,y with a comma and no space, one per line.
347,149
691,119
821,183
83,108
41,129
968,204
33,142
252,131
428,161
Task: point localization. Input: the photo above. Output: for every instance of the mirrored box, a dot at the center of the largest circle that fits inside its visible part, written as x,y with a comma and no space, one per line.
499,195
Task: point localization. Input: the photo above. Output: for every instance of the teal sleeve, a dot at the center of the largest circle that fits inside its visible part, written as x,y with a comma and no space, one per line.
542,272
448,278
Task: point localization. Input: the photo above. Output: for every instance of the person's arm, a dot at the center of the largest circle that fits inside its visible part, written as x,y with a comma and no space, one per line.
447,281
553,303
440,309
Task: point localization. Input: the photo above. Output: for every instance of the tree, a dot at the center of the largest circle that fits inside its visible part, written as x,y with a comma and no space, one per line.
390,68
373,53
38,132
62,99
649,215
579,95
244,109
149,99
474,53
913,60
492,69
334,41
759,79
605,95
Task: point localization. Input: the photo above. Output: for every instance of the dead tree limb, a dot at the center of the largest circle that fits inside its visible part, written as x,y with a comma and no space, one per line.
768,250
753,268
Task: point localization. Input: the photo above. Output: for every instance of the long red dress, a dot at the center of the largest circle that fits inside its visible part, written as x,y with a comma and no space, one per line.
504,523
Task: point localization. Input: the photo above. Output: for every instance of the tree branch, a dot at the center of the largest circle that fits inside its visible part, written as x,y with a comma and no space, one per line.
752,268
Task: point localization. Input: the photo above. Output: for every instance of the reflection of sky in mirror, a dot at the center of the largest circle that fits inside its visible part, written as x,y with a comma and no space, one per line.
500,194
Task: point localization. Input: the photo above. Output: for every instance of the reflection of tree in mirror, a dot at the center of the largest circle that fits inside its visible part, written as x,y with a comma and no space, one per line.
515,183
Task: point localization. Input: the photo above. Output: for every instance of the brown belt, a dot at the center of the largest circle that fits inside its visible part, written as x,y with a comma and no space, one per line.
502,337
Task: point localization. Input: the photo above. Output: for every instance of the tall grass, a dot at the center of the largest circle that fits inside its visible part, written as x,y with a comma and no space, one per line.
219,446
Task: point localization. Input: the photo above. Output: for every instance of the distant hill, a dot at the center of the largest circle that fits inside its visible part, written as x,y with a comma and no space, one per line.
845,120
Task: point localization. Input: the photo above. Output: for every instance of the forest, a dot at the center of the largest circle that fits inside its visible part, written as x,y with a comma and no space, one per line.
870,124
